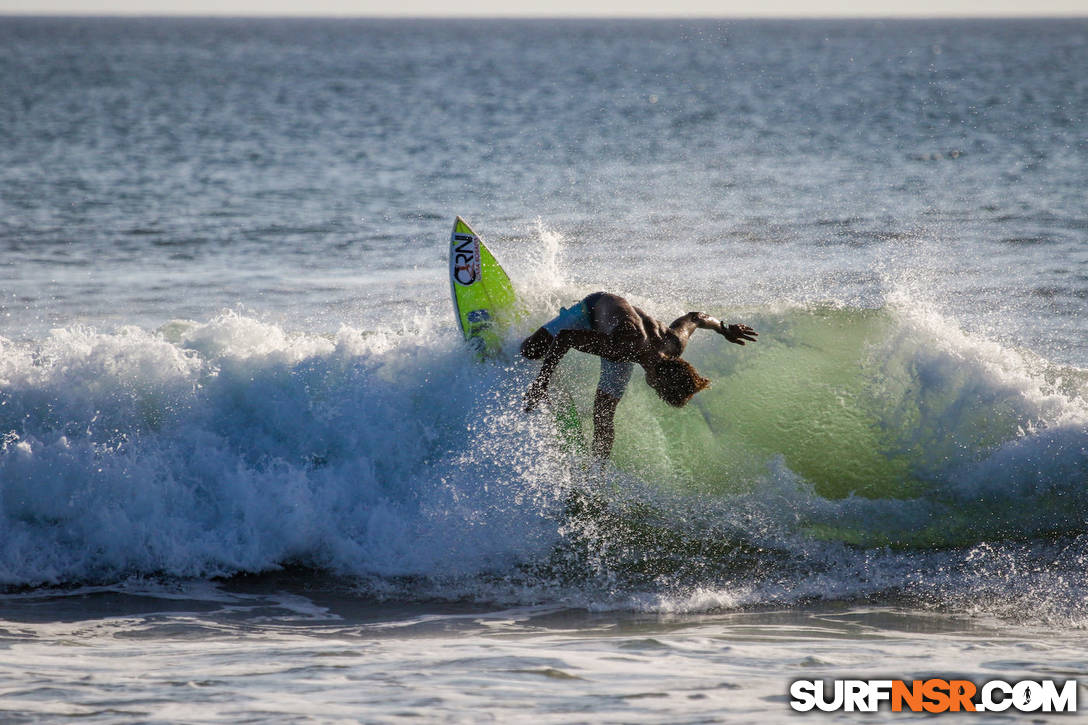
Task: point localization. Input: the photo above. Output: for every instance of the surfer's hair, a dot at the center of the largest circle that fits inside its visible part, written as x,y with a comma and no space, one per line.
676,381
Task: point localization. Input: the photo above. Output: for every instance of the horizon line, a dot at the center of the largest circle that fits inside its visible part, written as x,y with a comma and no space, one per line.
310,15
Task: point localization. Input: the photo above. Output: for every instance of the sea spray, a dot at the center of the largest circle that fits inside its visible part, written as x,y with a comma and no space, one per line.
847,447
235,446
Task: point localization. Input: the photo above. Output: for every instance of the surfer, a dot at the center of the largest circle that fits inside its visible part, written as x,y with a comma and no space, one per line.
621,335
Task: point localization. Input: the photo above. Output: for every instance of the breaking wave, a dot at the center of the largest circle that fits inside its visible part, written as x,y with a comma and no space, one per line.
850,453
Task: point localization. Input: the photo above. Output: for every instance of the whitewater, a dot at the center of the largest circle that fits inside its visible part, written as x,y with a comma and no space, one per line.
249,469
233,446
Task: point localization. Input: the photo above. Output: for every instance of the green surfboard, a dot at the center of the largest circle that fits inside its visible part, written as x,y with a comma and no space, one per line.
483,297
486,306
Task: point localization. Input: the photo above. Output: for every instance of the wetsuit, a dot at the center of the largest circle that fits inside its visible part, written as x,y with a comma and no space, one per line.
614,375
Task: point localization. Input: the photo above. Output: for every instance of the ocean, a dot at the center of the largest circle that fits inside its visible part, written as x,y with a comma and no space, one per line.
249,471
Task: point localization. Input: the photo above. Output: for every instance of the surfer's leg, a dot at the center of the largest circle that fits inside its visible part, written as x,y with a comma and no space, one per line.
614,379
604,432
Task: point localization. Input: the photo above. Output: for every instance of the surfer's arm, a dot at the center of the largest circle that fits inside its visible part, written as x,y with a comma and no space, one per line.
683,327
563,342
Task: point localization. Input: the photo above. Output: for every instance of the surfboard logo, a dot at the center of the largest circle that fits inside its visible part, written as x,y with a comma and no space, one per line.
466,259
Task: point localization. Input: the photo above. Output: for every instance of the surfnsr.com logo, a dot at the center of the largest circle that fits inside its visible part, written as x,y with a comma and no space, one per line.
934,695
466,259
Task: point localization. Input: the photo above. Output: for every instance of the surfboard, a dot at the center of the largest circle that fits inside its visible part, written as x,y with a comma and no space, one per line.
483,297
486,305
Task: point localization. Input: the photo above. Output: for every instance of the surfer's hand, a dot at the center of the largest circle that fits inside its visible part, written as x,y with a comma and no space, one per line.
738,333
534,395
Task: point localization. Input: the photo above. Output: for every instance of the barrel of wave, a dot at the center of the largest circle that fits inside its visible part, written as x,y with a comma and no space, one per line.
844,397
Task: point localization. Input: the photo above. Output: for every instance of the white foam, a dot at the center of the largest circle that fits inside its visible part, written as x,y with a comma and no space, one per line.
234,445
240,447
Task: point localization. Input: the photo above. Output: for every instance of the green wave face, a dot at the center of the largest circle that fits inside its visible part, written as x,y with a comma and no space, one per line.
804,392
902,430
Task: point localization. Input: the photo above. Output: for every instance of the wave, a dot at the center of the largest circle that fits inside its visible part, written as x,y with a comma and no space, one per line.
911,431
850,451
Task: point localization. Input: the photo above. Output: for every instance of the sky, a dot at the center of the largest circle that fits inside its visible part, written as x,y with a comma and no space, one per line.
554,8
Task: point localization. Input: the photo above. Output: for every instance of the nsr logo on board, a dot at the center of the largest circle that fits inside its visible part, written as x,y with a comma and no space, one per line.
466,259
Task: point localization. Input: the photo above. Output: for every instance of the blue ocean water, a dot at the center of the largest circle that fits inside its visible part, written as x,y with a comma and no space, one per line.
235,412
